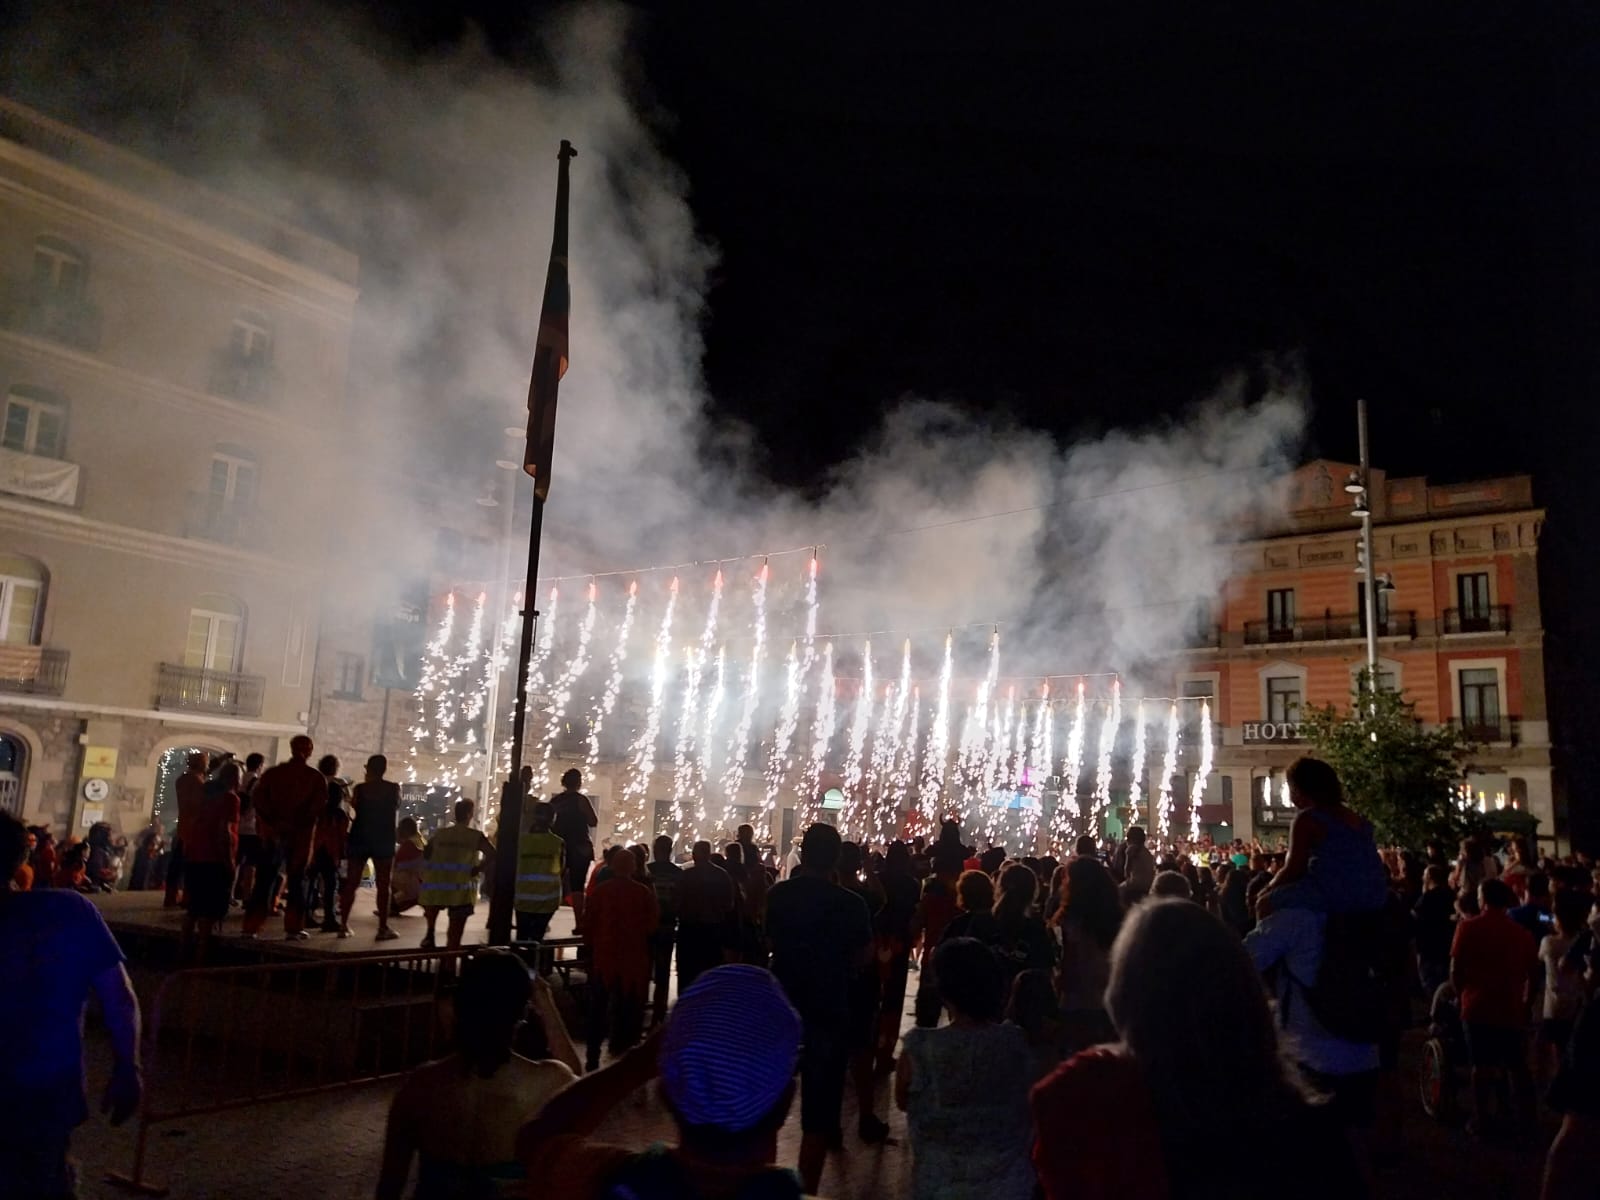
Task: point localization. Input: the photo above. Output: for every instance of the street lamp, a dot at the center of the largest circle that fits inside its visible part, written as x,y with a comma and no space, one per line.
1358,487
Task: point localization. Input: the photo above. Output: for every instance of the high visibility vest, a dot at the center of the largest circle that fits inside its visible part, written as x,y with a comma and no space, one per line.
539,873
447,874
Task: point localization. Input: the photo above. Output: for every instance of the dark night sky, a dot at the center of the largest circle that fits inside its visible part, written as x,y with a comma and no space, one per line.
1087,217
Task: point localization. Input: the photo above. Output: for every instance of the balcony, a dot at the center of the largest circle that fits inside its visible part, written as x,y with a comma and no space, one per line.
39,311
214,518
33,670
220,693
1493,731
1329,627
35,477
1494,619
250,380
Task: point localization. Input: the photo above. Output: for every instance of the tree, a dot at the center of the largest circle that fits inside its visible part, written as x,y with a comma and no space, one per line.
1401,776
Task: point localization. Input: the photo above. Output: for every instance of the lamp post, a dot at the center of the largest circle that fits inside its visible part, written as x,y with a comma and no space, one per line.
1359,488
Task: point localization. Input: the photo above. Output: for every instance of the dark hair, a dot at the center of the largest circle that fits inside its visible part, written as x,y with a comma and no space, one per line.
1538,884
378,764
849,867
1572,910
254,761
733,852
1136,835
1496,894
1437,875
1316,781
13,844
1090,901
663,847
490,1002
571,777
641,857
819,847
1018,887
897,859
975,891
1033,1001
1086,847
465,809
328,764
970,979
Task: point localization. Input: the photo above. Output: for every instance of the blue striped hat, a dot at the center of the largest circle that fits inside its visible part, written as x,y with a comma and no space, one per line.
730,1048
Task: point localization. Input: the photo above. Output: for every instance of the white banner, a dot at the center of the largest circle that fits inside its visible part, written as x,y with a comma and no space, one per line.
38,478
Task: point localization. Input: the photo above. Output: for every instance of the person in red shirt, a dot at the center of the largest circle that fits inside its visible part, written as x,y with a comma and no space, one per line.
211,855
1492,962
190,788
288,800
618,920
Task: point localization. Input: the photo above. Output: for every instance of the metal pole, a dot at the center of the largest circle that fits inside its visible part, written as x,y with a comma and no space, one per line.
1369,599
503,896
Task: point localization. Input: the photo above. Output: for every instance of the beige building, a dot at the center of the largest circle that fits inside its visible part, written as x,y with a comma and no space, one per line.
165,354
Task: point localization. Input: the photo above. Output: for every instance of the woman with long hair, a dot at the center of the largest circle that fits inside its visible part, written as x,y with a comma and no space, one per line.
459,1116
1087,923
1197,1056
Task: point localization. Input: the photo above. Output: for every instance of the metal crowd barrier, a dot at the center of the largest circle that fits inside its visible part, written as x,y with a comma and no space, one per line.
220,1038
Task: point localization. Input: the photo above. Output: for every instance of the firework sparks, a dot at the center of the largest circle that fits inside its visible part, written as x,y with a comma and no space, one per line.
608,698
633,820
739,753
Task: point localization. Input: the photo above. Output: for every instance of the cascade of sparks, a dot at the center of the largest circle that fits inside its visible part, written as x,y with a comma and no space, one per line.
895,700
975,734
608,699
905,767
822,726
1038,767
996,736
719,690
1019,746
561,688
860,721
884,735
634,821
686,761
472,655
935,758
779,761
809,647
428,682
1136,784
1283,793
1169,767
1067,811
739,751
1205,771
1108,744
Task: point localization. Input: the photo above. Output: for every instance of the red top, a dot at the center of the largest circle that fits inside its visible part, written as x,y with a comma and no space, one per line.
213,835
1495,958
190,789
620,917
939,908
1096,1131
288,799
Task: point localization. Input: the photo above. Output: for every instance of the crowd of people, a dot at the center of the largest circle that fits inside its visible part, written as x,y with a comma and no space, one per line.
1086,1027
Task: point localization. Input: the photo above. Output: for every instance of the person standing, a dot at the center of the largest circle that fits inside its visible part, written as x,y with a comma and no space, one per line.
333,843
821,938
213,851
372,837
621,918
1492,963
249,832
190,790
539,861
1433,927
56,950
574,818
705,901
454,861
664,877
289,800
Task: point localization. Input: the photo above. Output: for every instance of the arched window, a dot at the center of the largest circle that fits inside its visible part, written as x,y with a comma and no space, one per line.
59,268
23,583
13,773
216,634
35,422
233,476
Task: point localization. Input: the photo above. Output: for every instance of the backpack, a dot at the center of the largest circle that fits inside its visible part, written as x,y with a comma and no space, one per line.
1350,998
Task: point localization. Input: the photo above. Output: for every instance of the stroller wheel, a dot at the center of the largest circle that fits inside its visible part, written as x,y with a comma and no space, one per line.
1437,1083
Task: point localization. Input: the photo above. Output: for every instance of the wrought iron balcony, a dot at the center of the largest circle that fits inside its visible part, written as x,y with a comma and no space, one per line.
31,308
214,518
222,693
1496,618
1489,731
33,670
1330,627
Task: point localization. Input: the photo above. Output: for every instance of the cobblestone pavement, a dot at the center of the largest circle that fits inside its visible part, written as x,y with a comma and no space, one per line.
328,1146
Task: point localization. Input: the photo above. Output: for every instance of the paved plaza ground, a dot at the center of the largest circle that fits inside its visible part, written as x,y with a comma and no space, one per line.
328,1146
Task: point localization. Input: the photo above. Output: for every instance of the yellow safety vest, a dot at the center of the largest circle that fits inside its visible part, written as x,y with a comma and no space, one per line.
539,873
447,873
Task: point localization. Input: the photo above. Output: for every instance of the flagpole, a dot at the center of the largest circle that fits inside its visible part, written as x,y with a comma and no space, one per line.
549,364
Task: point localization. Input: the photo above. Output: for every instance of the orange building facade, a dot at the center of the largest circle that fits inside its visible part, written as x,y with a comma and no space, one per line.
1459,634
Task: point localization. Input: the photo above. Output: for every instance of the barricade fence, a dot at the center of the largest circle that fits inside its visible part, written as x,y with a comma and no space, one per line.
220,1038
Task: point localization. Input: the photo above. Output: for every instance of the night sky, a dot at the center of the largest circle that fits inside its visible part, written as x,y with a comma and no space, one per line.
1088,218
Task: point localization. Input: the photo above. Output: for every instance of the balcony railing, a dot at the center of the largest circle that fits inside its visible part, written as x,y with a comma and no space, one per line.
1494,619
1501,731
214,518
33,670
252,380
195,689
27,307
1329,627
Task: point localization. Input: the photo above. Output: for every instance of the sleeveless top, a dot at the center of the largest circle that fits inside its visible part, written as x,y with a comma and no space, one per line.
571,826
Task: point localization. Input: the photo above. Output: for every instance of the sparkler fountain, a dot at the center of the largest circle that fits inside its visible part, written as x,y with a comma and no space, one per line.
779,761
1136,783
860,722
1199,790
1169,767
561,689
608,699
633,823
821,736
739,744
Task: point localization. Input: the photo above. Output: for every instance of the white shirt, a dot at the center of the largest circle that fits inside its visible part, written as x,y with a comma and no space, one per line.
1563,994
1292,937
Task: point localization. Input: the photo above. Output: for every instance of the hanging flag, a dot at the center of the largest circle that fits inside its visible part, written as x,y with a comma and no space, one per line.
550,351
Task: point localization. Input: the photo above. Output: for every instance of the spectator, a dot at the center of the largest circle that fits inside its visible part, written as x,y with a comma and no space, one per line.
574,818
619,920
865,994
408,861
1471,868
705,897
935,911
459,1116
1232,905
1034,1009
289,800
1198,1056
1492,961
1333,864
188,789
376,801
821,936
664,877
539,874
1532,908
211,858
1563,988
1133,865
45,858
1087,923
893,939
1573,1163
1433,926
332,844
56,949
972,1075
104,864
726,1063
454,861
1172,885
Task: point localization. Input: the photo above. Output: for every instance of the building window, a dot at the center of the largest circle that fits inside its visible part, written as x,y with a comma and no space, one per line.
58,268
1480,700
1280,611
251,339
1382,605
216,634
1472,596
1283,698
350,673
36,423
13,762
233,477
22,589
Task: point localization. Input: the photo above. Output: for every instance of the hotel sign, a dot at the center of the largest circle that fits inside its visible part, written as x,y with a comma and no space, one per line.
1271,732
